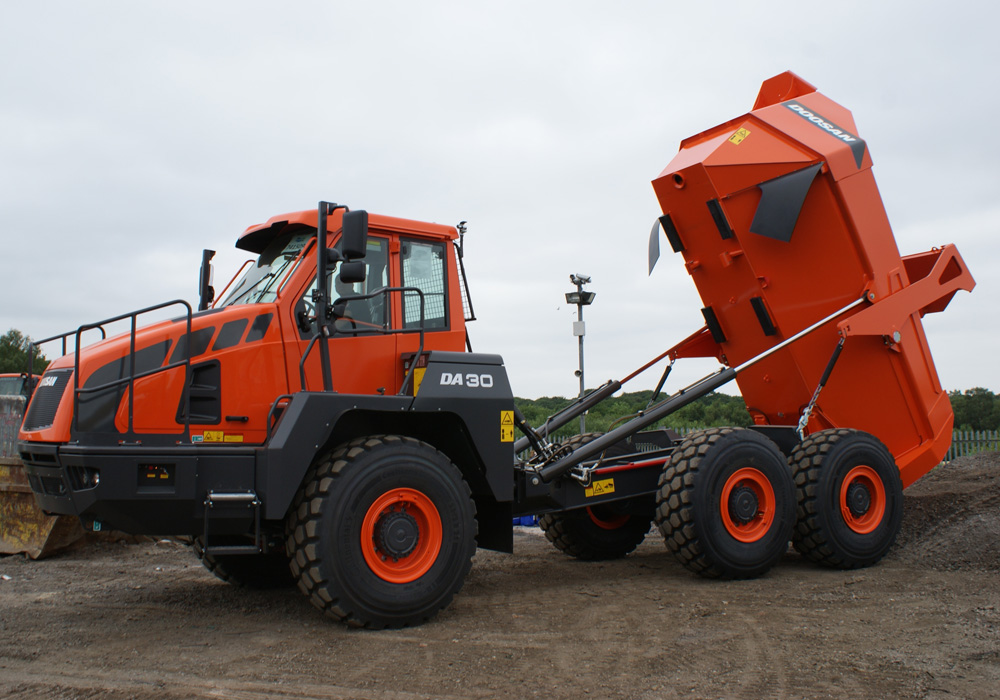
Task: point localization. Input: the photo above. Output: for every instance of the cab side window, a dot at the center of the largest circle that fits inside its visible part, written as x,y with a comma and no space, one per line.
353,316
423,267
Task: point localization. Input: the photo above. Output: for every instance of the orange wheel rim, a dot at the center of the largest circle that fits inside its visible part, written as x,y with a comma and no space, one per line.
862,499
401,535
606,522
747,505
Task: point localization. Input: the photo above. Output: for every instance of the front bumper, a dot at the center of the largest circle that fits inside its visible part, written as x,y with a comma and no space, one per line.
141,490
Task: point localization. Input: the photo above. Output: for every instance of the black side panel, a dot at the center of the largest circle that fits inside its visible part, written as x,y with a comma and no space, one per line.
475,388
97,409
781,202
494,521
259,327
304,430
230,334
199,344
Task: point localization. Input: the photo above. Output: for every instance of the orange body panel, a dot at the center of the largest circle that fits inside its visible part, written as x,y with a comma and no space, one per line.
766,272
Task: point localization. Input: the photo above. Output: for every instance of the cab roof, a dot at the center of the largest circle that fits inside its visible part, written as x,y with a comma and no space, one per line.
256,237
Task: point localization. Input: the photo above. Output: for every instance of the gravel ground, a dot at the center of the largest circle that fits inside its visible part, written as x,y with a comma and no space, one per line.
128,619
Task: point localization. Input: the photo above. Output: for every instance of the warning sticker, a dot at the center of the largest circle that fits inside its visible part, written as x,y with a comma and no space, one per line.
738,137
506,426
418,376
232,438
214,436
600,488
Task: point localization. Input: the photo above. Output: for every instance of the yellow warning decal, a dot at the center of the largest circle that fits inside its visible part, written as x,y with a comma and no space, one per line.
738,137
214,436
233,438
418,376
506,426
600,488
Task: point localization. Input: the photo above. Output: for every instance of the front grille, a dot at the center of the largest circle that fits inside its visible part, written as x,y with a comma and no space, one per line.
47,485
45,401
53,486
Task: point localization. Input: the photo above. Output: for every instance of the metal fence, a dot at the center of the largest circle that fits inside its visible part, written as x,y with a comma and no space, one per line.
968,442
11,412
963,442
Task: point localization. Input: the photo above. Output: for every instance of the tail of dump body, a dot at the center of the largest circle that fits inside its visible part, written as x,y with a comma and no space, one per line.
780,223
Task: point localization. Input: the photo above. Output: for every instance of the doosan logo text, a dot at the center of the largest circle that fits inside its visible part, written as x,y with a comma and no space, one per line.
845,136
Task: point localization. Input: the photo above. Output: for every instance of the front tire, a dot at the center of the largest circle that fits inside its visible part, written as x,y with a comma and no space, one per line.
382,532
726,503
849,498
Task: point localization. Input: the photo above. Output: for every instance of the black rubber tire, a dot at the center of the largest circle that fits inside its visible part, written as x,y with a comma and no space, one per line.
260,571
578,532
822,533
324,531
689,511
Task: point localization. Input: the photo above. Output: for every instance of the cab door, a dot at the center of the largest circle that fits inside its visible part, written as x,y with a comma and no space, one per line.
363,358
428,265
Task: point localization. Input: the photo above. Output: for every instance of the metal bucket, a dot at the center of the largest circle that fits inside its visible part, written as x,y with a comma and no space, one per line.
24,527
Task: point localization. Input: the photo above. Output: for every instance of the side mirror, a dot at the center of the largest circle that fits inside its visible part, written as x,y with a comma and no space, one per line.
355,238
206,292
352,272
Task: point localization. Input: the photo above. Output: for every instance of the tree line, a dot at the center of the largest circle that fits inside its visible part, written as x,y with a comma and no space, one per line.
714,409
14,354
975,409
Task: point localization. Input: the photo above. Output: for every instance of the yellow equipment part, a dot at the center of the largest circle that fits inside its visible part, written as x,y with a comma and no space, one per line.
24,527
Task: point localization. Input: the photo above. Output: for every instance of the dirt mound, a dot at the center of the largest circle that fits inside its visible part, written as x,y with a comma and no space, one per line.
951,517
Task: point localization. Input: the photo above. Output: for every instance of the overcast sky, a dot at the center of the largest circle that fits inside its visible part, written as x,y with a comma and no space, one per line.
134,134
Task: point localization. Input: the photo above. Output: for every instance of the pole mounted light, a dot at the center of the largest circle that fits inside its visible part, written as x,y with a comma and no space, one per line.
581,299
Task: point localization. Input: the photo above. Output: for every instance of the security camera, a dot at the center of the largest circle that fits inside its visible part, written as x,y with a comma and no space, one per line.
579,279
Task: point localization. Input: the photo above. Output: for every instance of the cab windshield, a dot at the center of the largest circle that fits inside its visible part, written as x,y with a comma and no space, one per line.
262,282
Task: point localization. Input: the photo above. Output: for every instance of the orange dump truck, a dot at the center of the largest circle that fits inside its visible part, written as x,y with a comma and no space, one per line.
327,423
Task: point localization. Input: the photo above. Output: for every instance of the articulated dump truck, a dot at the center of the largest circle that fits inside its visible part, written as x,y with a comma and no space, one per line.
344,437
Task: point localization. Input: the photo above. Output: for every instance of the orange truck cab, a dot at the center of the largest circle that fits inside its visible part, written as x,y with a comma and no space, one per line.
17,384
248,349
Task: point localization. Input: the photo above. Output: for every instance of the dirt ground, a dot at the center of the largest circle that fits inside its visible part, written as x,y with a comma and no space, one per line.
145,620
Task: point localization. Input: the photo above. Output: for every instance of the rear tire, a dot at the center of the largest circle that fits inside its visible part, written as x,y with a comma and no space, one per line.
260,571
849,498
726,503
596,532
382,532
599,532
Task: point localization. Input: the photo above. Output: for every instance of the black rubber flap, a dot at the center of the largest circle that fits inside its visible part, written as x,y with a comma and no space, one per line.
764,318
719,217
671,232
781,202
654,246
712,321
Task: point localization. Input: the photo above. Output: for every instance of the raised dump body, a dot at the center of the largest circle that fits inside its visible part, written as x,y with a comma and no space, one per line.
780,223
